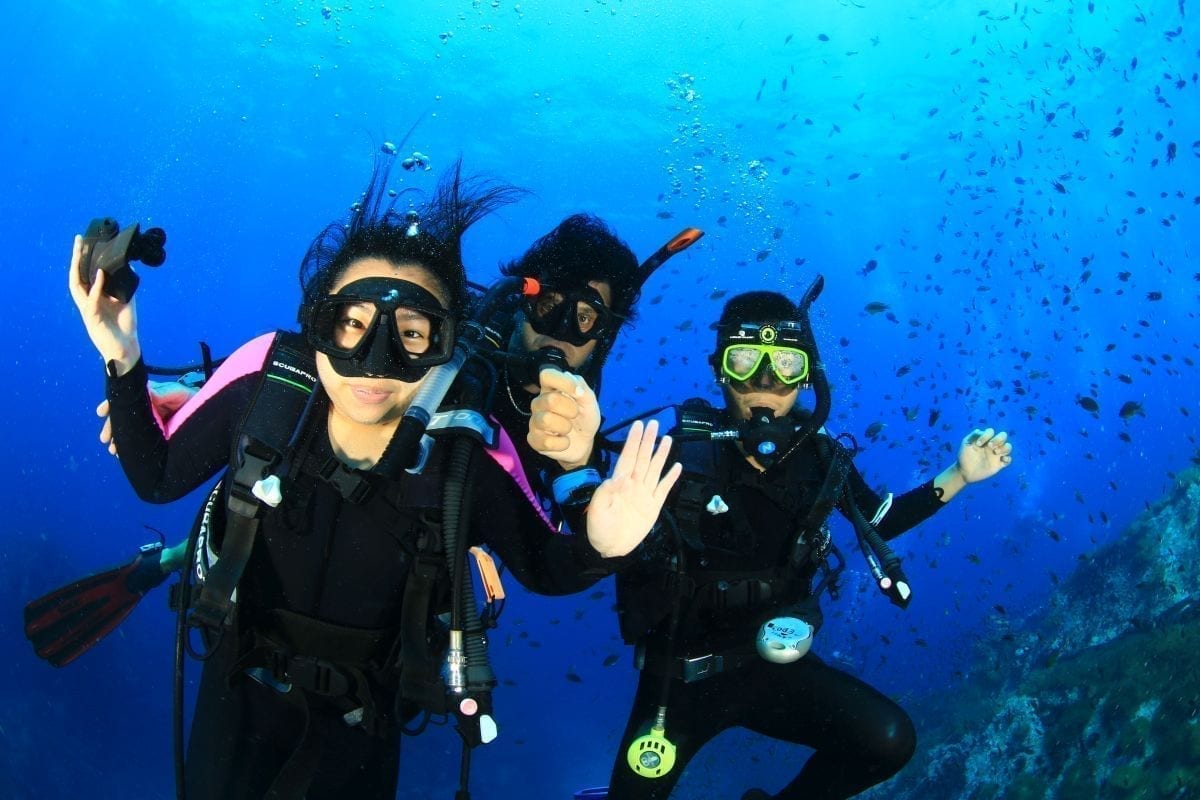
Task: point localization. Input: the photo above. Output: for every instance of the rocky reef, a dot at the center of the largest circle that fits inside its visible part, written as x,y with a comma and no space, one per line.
1098,696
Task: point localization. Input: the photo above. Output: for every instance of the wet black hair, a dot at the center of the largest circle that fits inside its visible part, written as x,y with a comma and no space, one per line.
758,306
583,248
377,229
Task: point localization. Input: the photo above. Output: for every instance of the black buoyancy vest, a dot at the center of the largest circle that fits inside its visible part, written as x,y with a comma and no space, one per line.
276,437
713,537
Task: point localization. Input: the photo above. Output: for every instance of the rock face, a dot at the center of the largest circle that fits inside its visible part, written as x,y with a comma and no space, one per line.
1098,697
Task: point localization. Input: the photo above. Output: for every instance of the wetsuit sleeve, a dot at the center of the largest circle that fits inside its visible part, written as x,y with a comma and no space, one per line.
907,511
164,463
543,560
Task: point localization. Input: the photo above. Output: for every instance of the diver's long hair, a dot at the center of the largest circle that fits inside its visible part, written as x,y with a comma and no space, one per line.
377,229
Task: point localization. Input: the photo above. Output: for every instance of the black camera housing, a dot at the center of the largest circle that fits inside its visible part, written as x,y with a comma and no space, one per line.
107,247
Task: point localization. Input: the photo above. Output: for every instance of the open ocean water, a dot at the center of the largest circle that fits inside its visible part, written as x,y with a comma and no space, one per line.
1002,197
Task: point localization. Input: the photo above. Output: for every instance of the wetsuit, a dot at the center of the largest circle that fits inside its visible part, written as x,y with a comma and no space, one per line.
325,580
743,568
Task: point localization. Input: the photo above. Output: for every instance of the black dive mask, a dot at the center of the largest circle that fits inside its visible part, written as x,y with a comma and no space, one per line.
575,316
765,436
381,328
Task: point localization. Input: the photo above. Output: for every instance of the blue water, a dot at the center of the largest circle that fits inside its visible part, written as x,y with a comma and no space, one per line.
997,174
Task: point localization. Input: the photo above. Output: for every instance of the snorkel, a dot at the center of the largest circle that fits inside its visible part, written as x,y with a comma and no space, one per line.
403,452
675,245
820,383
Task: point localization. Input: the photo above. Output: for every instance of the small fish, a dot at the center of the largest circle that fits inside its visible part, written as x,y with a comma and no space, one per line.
1154,296
822,37
876,307
721,220
1130,409
874,429
933,416
1117,131
718,294
869,267
609,660
788,38
777,234
1087,404
574,678
762,255
783,86
665,214
974,558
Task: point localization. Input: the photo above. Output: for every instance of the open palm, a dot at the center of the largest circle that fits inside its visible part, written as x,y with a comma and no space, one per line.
625,507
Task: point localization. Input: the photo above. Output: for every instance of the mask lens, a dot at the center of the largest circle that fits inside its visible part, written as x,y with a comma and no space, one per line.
586,317
342,326
789,364
415,332
545,304
741,362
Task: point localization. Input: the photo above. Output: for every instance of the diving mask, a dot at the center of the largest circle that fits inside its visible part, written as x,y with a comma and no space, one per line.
576,316
748,346
381,328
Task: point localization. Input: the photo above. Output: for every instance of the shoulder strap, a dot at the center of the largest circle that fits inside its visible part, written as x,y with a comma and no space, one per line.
271,424
699,459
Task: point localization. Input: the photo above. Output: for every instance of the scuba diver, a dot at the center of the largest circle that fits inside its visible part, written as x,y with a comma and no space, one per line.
722,602
334,547
580,264
589,281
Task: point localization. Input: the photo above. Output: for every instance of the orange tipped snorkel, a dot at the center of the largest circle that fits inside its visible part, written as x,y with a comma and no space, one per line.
684,239
678,243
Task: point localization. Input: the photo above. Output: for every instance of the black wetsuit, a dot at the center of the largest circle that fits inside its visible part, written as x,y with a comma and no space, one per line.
323,570
739,573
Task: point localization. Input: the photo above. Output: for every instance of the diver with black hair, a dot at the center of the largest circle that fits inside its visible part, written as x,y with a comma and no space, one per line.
334,547
581,265
722,602
588,281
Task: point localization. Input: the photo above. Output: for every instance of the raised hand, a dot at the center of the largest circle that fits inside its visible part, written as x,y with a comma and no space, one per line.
625,507
111,324
983,453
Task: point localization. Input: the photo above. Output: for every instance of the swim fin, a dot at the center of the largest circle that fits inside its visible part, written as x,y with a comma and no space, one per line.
65,623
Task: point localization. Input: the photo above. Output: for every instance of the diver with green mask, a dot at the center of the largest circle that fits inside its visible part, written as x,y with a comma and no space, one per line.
723,602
